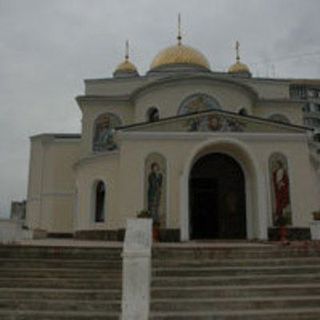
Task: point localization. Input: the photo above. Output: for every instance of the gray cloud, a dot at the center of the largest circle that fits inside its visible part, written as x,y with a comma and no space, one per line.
48,47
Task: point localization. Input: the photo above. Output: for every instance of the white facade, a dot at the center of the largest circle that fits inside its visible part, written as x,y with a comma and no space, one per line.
65,170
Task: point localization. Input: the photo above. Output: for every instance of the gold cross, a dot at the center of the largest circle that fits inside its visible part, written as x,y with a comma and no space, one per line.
238,50
179,37
127,50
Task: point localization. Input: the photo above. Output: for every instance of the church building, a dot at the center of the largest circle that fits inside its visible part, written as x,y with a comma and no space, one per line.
208,154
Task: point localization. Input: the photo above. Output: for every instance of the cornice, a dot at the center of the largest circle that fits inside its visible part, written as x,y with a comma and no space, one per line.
191,136
94,157
284,100
190,77
167,80
112,98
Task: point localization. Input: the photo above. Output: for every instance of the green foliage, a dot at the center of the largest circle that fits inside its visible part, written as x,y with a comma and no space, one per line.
143,214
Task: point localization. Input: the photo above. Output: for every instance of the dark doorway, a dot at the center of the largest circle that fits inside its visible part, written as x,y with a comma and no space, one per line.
217,198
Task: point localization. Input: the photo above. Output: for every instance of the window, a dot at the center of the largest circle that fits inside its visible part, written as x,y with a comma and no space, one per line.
153,114
307,107
297,91
316,137
312,122
100,193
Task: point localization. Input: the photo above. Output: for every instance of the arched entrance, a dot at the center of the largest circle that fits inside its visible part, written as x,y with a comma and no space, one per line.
217,199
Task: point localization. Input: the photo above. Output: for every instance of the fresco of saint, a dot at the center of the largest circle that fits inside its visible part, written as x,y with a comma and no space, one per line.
196,103
280,183
154,191
103,138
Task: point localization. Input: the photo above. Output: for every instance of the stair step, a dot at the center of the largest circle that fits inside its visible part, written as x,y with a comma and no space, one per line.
224,271
226,304
267,314
235,280
20,264
213,253
15,282
60,273
235,291
59,252
57,315
59,305
62,294
157,263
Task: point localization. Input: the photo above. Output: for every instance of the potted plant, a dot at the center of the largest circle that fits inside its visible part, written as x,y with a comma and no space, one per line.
144,214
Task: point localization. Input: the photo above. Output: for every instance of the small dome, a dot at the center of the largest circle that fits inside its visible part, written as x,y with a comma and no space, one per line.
180,54
126,66
239,68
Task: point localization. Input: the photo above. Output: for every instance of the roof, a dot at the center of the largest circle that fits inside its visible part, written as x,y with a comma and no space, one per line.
57,136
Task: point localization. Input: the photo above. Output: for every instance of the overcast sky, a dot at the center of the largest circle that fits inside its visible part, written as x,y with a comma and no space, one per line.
48,47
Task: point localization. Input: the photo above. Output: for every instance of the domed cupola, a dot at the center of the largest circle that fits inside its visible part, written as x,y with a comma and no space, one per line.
179,55
126,68
239,68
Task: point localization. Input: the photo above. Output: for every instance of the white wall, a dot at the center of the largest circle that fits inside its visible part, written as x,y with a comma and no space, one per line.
51,191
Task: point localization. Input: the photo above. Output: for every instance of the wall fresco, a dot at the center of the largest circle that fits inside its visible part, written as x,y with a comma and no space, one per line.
198,102
214,123
155,187
280,186
103,138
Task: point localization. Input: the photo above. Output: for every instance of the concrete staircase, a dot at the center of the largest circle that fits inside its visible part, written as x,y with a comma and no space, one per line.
60,283
229,282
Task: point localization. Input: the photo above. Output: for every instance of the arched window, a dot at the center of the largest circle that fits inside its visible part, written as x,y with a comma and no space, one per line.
103,132
100,194
198,102
279,118
243,112
153,114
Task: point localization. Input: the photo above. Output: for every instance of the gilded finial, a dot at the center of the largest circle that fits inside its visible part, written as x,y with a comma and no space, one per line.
126,67
238,51
127,50
238,67
179,37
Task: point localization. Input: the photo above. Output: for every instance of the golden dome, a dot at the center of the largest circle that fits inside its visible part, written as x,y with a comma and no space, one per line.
180,54
126,66
239,67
